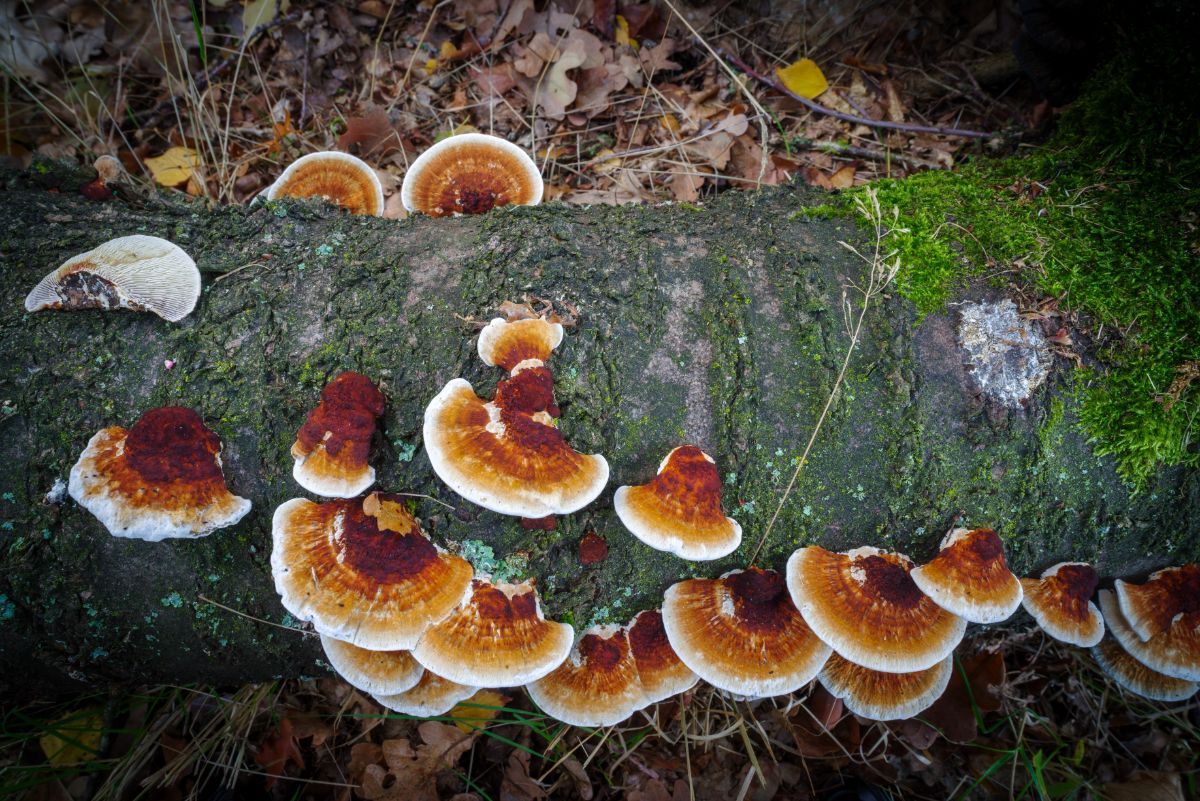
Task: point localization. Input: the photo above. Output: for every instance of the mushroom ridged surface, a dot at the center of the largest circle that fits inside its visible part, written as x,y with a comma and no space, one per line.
432,695
1132,674
510,343
340,178
660,670
1168,600
332,446
375,672
970,577
1060,601
596,685
1174,651
470,173
877,695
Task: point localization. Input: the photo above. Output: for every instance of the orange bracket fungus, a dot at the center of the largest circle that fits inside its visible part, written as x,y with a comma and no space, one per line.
471,173
139,273
1173,651
496,637
161,478
680,509
865,605
363,571
877,695
1164,613
1060,601
376,672
332,446
430,696
660,670
1127,671
970,578
340,178
518,344
742,633
597,684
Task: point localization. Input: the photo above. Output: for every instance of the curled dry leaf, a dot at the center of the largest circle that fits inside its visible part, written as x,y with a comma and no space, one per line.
411,775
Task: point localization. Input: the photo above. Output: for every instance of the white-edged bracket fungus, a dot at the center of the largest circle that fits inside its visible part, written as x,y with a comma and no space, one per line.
1060,602
876,695
363,571
660,670
518,344
865,605
340,178
679,511
741,633
139,273
375,672
471,173
430,696
970,577
497,637
1129,672
596,685
1171,652
332,446
1164,613
160,479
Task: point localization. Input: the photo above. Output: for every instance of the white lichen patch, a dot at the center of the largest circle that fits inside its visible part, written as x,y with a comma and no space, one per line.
1008,357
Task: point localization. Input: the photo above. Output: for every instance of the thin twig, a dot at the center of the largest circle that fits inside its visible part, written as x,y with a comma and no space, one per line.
255,619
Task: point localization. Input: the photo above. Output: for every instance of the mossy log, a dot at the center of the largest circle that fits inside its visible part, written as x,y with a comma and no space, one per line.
719,325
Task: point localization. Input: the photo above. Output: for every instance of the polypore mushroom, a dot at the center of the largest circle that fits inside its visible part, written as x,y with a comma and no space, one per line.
865,605
1060,601
514,344
161,478
877,695
430,696
332,446
375,672
471,173
496,637
363,571
660,670
742,633
139,273
340,178
505,458
1165,610
1129,672
680,509
1174,651
597,684
970,578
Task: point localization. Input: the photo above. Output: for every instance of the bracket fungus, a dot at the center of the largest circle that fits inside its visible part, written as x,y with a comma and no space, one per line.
430,696
679,511
332,446
340,178
159,479
471,173
497,637
742,633
376,672
139,273
1060,601
596,685
517,344
877,695
1129,672
660,670
1165,611
866,606
970,577
1174,651
505,458
363,571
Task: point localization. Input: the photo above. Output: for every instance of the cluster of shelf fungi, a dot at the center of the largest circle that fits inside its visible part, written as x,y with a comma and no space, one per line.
416,627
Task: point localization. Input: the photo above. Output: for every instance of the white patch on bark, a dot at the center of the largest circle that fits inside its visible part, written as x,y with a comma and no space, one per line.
1008,357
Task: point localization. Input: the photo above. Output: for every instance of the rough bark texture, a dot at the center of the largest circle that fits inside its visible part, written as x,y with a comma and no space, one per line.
720,326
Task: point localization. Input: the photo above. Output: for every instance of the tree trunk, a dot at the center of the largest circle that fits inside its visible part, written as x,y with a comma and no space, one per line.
720,326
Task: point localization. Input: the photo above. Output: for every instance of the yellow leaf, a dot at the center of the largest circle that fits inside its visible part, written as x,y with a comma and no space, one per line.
478,710
447,51
175,166
621,34
74,738
431,66
804,78
603,164
261,12
669,122
843,178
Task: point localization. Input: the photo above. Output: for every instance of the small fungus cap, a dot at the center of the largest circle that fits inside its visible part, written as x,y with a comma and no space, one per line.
597,684
1174,651
496,637
507,460
470,173
865,604
1060,601
340,178
680,509
431,696
970,578
332,446
160,479
876,695
742,633
140,273
363,571
509,343
1129,672
1169,598
660,670
376,672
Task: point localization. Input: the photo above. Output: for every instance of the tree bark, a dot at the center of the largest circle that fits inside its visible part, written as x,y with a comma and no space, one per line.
720,326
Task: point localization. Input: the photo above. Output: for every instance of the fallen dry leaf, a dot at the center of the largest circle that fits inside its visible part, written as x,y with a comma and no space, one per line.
477,711
517,785
277,750
804,78
178,165
1146,786
411,775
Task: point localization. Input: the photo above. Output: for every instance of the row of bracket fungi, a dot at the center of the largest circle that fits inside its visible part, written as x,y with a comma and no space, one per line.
412,624
415,626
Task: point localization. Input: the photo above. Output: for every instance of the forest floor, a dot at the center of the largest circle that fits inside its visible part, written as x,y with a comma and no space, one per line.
620,103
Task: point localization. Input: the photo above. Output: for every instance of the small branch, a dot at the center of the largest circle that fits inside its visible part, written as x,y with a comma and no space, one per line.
817,107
